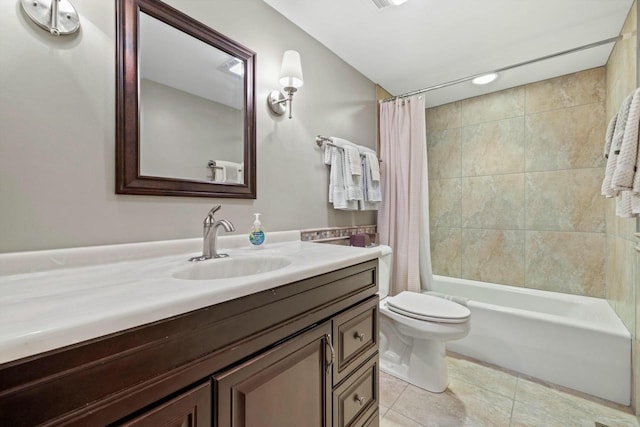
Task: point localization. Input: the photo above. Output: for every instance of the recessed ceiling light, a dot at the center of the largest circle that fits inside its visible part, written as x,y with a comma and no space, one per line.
484,79
237,68
233,66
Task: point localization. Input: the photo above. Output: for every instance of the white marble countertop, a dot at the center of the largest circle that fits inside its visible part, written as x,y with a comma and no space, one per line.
51,299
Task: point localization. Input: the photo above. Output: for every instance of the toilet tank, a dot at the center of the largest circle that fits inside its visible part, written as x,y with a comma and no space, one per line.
384,270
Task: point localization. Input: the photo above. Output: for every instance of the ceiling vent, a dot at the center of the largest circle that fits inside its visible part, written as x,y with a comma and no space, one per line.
382,4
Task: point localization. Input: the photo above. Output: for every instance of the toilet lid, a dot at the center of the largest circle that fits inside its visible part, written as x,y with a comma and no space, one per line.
428,307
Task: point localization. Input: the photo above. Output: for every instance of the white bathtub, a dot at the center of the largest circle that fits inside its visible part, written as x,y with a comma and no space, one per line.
573,341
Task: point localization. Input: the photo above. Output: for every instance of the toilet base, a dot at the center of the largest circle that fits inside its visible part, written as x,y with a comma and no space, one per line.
425,366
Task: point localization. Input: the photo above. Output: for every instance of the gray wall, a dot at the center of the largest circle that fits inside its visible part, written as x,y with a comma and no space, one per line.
57,160
180,132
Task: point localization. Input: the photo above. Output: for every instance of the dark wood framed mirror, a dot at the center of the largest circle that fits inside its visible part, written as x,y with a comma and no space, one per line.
185,106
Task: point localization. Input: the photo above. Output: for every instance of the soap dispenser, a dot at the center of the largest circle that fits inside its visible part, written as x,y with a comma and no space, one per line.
256,234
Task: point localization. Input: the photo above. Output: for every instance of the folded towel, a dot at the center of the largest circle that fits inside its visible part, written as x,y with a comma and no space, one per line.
364,205
219,174
609,135
227,171
352,157
635,205
616,143
327,154
374,165
351,153
626,163
338,194
624,204
373,161
370,188
636,178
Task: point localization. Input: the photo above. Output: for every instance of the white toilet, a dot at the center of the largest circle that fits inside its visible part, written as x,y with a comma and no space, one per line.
413,330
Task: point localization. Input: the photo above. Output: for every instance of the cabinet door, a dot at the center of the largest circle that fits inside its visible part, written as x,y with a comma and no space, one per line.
190,409
288,385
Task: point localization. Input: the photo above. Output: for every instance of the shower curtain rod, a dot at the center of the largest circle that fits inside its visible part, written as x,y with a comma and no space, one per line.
622,36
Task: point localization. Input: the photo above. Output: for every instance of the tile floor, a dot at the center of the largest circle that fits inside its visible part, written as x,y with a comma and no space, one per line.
484,396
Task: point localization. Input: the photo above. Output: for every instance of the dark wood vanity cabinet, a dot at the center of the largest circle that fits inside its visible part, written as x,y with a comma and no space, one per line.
189,409
302,354
315,379
287,386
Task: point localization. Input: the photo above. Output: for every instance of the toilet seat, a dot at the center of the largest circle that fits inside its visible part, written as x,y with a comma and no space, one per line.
428,308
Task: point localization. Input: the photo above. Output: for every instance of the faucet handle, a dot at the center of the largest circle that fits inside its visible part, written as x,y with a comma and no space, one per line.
208,220
214,209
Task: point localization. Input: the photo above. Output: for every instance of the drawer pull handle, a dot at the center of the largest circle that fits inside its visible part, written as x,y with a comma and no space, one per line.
327,338
359,399
358,336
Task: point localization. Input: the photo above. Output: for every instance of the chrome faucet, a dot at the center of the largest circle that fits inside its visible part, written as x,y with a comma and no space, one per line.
209,245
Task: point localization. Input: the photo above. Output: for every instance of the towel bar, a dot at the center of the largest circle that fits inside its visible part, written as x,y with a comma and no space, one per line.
321,140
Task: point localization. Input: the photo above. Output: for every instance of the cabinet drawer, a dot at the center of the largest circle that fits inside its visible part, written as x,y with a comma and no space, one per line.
373,421
190,409
355,337
356,399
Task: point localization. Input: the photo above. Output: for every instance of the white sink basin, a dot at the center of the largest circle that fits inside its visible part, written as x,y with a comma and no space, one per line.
225,268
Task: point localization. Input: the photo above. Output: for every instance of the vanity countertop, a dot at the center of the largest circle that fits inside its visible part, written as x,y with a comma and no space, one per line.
56,307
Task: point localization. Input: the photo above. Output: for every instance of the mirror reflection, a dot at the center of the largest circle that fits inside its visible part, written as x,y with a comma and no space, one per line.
191,107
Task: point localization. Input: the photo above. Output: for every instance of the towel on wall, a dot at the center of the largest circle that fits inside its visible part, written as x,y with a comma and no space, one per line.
624,204
623,176
616,143
352,187
371,189
338,194
374,165
371,186
352,156
609,135
352,182
226,171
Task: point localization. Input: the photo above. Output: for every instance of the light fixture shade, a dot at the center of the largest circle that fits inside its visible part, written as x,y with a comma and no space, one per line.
291,73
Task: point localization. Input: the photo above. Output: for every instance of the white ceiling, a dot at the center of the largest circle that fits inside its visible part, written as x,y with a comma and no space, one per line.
422,43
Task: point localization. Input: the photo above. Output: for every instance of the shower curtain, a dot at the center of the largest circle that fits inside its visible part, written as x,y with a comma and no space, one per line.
403,217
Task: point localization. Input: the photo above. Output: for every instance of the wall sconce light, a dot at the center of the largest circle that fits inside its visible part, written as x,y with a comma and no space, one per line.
291,79
56,16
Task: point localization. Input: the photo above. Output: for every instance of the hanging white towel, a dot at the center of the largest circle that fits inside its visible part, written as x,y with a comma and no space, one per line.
623,175
219,174
230,172
363,205
609,135
352,157
616,143
635,205
337,187
327,154
374,165
352,183
370,189
624,204
373,162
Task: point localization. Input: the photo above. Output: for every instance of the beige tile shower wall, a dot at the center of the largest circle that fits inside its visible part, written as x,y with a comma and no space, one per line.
514,183
621,80
623,290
